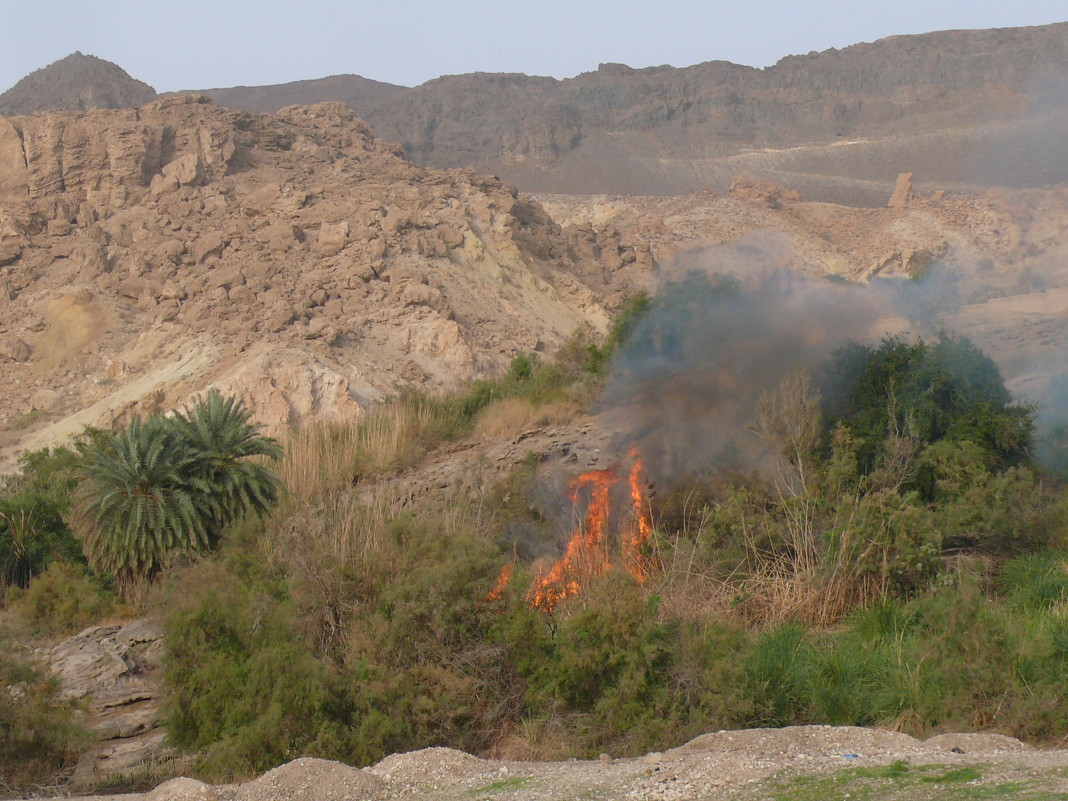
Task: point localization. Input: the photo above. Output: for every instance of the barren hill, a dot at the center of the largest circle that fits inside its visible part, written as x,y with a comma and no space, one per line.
149,253
75,83
352,90
939,105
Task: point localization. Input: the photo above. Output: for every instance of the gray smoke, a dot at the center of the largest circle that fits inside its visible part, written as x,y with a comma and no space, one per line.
728,324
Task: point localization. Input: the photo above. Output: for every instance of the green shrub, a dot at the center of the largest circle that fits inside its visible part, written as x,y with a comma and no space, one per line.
1035,581
631,313
65,599
242,688
776,675
948,389
40,739
624,680
33,503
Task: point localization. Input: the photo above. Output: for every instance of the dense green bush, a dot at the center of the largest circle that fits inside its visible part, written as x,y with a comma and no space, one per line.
33,504
928,392
40,739
955,659
65,599
243,689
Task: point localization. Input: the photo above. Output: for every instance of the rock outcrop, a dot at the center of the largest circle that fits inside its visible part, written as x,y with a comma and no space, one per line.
302,262
113,671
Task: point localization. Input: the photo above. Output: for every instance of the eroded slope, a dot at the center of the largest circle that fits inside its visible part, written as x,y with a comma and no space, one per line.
148,253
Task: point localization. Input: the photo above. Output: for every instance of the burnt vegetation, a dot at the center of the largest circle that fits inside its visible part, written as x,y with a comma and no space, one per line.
895,556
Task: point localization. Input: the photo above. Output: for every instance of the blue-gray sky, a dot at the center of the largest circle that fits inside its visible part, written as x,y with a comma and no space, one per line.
200,44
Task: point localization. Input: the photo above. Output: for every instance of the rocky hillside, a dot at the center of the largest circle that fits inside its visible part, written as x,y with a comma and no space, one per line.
146,254
75,83
935,104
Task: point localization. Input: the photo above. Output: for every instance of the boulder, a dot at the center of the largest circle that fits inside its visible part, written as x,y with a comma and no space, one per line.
44,400
332,238
10,250
183,789
764,192
262,199
112,671
211,244
186,170
14,349
13,177
902,191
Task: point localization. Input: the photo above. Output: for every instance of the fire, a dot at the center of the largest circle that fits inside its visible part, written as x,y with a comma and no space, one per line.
633,558
586,556
503,578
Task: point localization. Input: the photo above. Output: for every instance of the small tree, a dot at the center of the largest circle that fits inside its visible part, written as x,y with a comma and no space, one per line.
946,390
170,485
33,503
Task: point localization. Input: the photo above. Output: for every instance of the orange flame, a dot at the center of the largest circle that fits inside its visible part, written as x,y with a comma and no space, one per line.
586,555
503,578
631,546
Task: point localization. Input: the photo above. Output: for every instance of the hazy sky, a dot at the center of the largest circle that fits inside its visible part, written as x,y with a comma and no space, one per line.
201,44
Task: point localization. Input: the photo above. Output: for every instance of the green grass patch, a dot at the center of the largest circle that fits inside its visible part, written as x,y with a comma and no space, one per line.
955,776
900,781
502,786
28,419
894,770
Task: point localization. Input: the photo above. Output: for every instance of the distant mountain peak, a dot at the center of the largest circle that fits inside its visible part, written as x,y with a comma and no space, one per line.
75,83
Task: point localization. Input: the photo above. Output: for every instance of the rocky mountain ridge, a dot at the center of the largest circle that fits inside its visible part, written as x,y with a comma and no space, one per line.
838,126
932,104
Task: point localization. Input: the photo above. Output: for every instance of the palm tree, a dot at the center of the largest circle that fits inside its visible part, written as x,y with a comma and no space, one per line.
218,430
135,503
170,485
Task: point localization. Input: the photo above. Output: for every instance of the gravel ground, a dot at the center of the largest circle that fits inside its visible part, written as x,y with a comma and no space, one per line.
802,762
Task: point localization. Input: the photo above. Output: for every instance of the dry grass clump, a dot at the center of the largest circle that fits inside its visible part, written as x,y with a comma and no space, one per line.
533,739
775,596
508,417
327,457
321,458
398,433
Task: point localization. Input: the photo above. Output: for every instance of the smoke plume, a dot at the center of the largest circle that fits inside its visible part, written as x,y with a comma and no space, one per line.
728,324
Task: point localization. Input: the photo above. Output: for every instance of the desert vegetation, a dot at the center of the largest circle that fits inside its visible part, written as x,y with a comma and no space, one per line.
899,560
